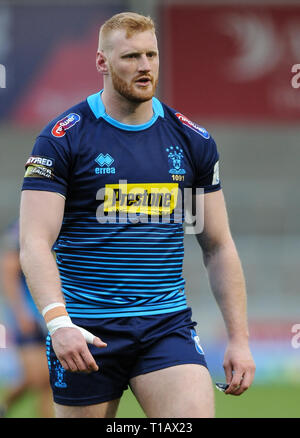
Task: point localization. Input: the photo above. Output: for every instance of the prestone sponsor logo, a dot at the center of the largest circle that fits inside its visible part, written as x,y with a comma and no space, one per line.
155,199
151,203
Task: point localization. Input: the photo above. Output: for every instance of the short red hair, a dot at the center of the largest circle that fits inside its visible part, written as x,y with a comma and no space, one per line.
131,22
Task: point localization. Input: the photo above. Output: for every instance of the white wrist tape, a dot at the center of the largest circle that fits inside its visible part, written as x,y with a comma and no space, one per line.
65,321
51,306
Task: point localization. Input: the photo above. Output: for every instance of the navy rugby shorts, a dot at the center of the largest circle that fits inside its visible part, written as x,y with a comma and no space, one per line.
135,345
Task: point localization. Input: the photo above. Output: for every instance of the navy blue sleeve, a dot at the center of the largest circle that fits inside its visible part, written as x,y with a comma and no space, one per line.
207,167
48,166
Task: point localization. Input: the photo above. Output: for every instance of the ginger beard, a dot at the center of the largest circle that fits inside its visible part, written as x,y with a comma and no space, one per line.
129,91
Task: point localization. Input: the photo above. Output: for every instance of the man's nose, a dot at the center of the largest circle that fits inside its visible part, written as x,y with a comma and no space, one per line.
144,64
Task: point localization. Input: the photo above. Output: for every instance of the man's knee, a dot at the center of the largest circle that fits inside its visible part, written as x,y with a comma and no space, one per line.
100,410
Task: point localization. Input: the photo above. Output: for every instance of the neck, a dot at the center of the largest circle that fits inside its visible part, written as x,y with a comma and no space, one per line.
125,111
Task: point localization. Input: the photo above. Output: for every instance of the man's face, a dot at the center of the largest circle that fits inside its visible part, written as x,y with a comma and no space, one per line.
133,65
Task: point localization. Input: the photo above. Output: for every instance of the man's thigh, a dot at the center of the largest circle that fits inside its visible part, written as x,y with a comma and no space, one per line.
100,410
182,391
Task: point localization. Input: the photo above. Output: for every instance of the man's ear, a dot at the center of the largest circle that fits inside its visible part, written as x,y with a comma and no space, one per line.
101,62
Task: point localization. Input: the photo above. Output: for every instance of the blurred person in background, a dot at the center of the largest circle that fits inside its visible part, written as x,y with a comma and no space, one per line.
28,330
118,286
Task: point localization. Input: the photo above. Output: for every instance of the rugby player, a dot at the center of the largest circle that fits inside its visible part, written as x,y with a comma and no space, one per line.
103,185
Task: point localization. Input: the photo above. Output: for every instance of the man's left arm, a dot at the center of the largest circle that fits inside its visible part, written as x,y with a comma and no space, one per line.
228,286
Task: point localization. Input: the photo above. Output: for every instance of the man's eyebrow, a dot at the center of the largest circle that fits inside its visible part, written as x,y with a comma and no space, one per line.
131,52
139,52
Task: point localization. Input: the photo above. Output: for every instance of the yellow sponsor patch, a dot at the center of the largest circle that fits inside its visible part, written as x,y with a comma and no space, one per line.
150,198
38,171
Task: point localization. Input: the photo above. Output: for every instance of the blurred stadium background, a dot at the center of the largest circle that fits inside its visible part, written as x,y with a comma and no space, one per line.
226,65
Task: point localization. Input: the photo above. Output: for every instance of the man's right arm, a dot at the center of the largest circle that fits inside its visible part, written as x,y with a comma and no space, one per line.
41,215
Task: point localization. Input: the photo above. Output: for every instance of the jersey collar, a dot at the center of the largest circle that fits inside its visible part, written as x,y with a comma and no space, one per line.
97,107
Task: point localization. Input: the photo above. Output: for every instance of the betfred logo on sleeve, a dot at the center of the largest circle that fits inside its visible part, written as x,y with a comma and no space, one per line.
193,125
60,128
43,161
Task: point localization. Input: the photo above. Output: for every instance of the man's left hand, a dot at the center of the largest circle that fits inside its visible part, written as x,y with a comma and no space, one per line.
239,367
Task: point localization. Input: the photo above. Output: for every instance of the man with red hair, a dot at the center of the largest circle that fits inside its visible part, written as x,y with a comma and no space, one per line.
105,185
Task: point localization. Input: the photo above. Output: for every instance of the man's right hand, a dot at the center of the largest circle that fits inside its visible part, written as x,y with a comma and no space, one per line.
71,350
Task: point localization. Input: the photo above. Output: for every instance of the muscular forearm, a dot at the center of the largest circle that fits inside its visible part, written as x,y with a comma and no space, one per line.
69,340
42,276
228,285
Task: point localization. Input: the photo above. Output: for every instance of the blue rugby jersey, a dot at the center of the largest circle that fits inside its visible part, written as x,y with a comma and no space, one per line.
120,248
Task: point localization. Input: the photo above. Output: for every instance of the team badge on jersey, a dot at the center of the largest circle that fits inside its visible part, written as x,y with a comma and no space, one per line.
60,128
193,125
175,156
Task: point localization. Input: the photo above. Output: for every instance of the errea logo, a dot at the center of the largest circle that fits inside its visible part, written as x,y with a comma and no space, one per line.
105,162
